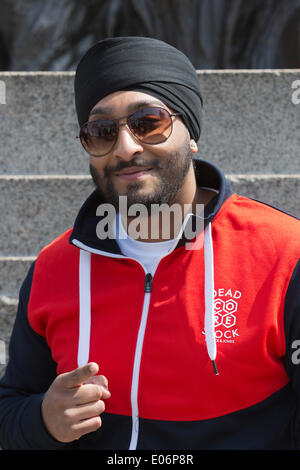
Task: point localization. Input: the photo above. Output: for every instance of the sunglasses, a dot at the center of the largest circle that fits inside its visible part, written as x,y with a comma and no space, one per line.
148,125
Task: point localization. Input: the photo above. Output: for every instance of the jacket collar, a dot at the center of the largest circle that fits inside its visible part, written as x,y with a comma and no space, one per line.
84,230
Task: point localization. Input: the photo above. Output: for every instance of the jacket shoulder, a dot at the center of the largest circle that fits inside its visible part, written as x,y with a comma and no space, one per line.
59,243
264,223
59,255
262,213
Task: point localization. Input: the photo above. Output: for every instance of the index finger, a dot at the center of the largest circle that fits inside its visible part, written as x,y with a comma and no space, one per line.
78,376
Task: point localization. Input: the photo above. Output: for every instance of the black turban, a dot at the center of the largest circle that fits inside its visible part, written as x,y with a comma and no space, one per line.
141,64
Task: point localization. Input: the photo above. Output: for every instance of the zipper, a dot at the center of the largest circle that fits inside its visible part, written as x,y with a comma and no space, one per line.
140,337
148,283
137,362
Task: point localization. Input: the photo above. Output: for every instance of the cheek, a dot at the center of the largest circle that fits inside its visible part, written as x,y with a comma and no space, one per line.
178,146
180,139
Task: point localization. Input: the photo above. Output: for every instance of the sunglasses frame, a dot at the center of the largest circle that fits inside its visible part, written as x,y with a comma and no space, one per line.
118,124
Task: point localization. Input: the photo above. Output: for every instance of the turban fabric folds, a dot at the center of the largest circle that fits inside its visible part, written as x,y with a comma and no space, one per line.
142,64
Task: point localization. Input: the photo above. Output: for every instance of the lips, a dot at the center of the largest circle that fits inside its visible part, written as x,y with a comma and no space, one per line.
133,172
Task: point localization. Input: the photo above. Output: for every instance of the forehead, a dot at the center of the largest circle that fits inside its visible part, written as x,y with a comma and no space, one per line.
122,102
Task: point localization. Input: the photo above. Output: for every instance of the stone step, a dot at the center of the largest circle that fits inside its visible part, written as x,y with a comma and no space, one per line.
8,308
251,122
36,209
13,270
280,191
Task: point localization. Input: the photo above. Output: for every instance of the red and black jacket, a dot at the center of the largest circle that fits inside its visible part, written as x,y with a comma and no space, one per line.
148,334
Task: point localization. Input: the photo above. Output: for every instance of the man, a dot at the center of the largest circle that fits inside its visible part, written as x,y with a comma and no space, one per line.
155,340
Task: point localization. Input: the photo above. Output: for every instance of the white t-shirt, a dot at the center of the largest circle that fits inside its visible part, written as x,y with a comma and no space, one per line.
147,253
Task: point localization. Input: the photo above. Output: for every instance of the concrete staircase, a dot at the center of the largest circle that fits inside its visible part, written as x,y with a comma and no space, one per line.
251,130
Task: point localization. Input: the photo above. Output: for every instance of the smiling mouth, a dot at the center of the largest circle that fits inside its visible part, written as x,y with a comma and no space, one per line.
133,173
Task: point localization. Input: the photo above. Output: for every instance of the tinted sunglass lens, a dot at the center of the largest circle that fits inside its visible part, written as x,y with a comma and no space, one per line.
151,125
98,137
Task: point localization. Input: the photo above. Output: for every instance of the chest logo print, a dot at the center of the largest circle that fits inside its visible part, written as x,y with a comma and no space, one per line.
226,303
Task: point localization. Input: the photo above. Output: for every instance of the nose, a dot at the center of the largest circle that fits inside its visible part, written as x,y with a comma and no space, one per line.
126,145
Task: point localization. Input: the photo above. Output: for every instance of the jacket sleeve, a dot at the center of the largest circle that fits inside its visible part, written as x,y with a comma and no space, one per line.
292,338
29,373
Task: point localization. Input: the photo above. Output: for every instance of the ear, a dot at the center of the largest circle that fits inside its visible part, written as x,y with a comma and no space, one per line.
193,146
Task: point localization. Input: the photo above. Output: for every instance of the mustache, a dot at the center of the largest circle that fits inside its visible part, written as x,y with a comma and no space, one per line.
136,162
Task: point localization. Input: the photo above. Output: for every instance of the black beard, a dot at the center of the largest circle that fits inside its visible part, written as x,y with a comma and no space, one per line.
172,175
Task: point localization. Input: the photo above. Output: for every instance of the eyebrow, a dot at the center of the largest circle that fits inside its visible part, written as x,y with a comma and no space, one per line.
130,108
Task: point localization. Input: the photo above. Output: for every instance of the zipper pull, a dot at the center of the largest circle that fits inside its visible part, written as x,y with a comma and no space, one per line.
148,283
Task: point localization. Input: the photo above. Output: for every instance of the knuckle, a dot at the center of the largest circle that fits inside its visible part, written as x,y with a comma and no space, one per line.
78,430
97,392
96,423
104,380
67,415
100,406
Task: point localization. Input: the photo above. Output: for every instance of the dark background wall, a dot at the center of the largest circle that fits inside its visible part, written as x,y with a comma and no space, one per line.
51,35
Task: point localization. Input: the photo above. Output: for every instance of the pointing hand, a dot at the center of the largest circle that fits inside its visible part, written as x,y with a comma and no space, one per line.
74,402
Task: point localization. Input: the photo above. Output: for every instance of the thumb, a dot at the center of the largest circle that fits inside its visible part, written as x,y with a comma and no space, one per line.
79,376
